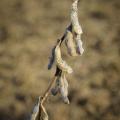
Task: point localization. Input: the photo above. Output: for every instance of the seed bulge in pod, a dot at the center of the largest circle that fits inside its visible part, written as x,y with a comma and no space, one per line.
79,48
59,62
64,89
55,90
70,44
74,18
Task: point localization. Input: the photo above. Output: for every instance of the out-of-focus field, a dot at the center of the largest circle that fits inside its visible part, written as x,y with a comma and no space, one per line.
28,31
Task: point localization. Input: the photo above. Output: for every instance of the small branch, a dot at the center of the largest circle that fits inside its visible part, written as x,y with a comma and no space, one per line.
47,92
45,95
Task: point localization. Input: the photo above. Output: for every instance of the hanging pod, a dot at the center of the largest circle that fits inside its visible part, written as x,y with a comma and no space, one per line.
70,44
74,18
35,111
61,63
55,89
76,28
79,46
64,89
39,112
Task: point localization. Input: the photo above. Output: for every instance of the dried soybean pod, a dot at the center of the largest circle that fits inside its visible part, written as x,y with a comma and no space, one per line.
65,81
59,62
76,28
70,44
74,18
35,111
79,46
64,89
55,90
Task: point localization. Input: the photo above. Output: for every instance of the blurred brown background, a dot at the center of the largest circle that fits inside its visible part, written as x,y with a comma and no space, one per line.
28,31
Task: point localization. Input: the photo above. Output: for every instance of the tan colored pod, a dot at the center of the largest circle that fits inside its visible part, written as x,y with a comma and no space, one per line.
70,44
55,89
61,63
79,45
35,111
39,112
64,89
74,18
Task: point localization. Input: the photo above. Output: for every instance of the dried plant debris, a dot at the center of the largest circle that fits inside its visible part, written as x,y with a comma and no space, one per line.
39,112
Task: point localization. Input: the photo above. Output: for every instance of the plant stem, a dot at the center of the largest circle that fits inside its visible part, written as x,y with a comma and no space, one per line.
45,95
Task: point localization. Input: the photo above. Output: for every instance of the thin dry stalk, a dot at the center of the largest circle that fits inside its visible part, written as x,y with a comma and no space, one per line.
46,94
